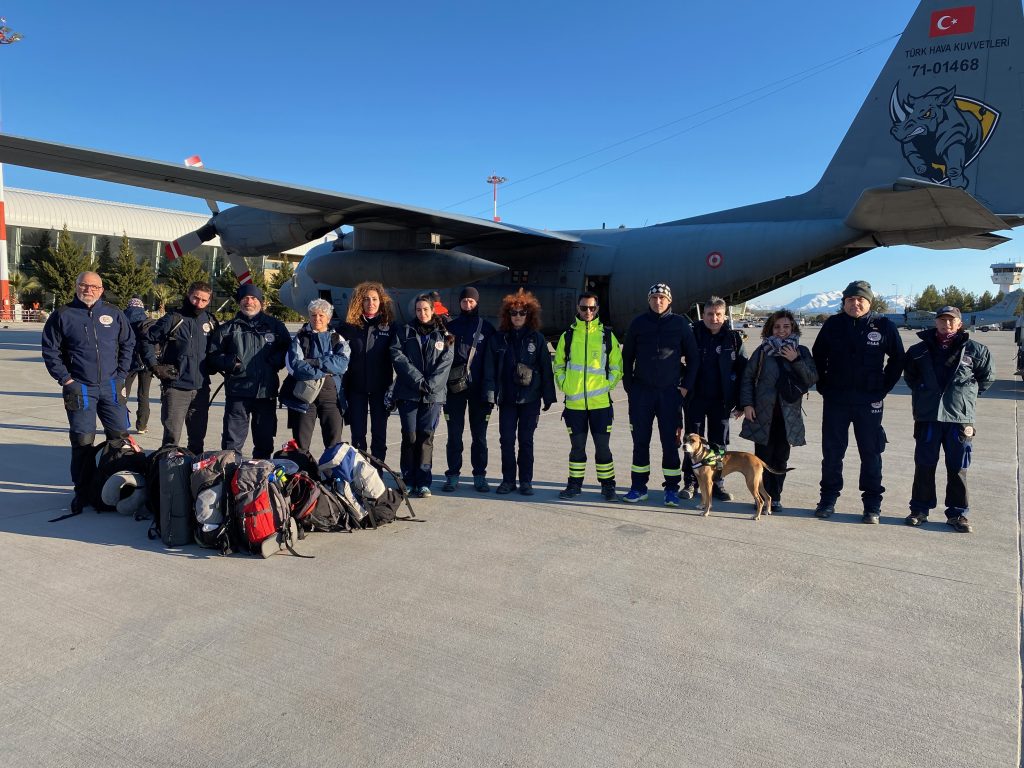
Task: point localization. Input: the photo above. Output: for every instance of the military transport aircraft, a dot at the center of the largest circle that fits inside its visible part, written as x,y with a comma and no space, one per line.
933,159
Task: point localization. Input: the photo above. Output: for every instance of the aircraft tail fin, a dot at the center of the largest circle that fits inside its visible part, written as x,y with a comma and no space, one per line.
945,109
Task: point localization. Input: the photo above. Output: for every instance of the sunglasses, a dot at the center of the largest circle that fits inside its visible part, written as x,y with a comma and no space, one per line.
587,307
518,312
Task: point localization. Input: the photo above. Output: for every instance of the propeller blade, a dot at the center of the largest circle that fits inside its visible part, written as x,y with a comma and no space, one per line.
240,268
190,242
197,162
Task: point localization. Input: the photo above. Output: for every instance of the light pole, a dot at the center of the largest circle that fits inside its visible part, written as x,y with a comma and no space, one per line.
7,36
495,180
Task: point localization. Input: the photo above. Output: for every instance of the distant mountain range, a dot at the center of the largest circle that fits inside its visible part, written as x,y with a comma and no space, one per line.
826,303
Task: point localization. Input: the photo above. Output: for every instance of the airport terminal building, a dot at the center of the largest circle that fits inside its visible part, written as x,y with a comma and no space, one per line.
31,216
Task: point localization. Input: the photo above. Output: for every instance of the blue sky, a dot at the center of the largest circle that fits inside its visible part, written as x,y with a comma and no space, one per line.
419,103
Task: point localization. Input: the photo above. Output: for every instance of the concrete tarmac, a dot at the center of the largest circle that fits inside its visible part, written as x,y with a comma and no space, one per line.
515,631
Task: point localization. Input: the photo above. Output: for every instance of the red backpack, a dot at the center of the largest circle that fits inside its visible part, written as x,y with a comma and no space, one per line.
261,512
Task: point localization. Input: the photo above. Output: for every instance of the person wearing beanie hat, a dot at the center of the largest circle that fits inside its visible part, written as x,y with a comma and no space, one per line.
140,322
249,350
946,371
860,288
465,393
859,356
174,350
655,382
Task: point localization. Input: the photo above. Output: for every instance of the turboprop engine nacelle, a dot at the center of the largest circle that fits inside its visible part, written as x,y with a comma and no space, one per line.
413,268
254,232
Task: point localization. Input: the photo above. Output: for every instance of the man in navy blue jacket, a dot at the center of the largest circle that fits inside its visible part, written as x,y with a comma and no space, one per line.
859,357
87,349
250,350
174,350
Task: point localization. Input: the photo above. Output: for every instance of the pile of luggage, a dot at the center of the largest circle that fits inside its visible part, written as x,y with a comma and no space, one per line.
223,501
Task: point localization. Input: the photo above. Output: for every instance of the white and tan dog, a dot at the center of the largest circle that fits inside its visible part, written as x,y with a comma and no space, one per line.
706,466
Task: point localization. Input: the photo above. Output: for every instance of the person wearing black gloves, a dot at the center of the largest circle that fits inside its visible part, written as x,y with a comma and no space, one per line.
136,314
517,377
422,355
249,350
369,330
715,394
87,348
465,392
859,356
174,350
655,382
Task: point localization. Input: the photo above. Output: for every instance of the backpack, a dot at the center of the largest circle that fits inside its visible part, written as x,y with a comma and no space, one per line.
315,507
172,518
304,459
354,476
261,514
211,477
114,456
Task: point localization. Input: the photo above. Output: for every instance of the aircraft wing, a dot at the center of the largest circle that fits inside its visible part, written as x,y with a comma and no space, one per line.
915,212
261,193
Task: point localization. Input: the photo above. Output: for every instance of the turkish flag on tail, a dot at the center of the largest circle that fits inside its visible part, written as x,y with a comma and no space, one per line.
952,21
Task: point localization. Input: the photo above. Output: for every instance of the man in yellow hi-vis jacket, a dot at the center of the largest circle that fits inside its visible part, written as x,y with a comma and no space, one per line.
588,365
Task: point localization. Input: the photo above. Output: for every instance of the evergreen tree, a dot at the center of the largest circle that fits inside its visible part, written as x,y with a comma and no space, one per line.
953,296
105,257
880,305
34,249
127,277
985,301
929,300
276,308
62,266
182,272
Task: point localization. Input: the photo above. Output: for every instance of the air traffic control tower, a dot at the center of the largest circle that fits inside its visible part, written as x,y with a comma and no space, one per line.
1007,276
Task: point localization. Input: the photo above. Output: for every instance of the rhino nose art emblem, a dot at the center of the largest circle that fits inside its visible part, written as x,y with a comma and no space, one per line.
941,133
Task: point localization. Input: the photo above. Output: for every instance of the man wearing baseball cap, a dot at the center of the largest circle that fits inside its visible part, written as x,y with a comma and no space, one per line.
946,371
859,357
249,350
653,377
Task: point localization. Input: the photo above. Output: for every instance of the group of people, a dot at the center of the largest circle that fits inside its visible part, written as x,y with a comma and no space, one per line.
692,377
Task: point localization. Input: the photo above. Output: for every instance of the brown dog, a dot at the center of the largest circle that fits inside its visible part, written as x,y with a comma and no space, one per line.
751,467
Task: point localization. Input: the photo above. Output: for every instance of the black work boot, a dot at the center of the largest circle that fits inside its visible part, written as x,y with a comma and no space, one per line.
825,510
608,491
573,489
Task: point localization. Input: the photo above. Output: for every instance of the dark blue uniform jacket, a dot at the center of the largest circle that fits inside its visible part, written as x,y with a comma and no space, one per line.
652,350
850,355
184,336
259,344
90,345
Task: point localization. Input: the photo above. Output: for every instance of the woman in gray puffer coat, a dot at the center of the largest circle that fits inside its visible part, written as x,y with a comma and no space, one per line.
779,372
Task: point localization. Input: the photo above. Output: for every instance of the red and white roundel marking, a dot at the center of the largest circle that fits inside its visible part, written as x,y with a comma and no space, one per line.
714,260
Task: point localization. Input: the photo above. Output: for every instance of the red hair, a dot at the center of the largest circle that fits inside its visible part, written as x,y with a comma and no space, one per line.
519,300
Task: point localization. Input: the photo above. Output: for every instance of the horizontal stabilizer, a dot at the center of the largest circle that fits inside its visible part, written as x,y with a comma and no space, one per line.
914,212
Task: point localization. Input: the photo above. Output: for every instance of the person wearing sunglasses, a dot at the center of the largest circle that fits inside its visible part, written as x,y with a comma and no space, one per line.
588,365
87,348
517,377
655,382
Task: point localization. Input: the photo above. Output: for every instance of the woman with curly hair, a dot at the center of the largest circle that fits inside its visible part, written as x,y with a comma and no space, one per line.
517,377
777,374
422,355
369,331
